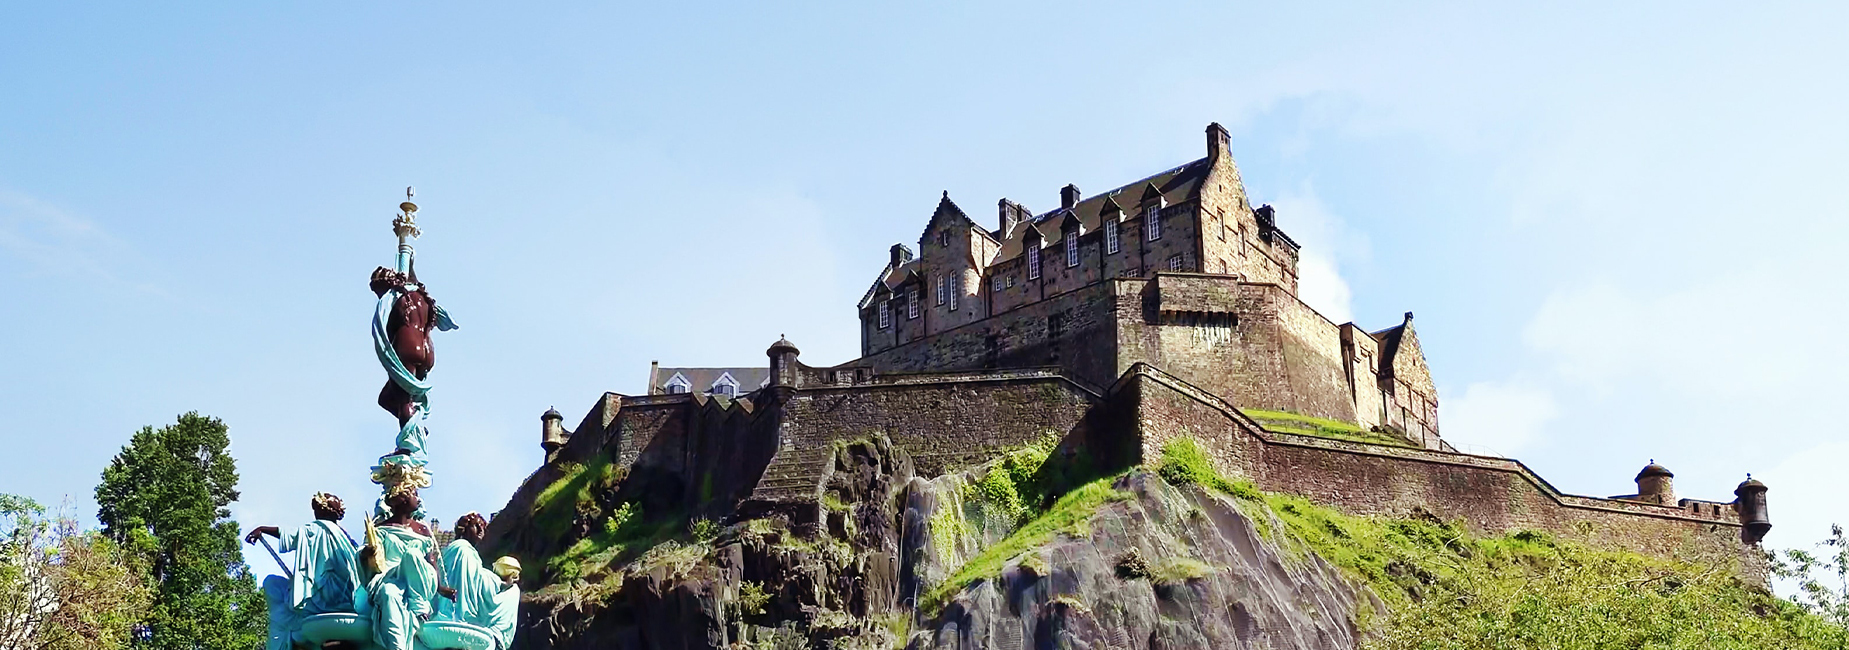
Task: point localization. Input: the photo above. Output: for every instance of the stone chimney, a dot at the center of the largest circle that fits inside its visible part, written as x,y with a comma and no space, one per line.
1068,196
900,255
552,433
1217,141
1008,214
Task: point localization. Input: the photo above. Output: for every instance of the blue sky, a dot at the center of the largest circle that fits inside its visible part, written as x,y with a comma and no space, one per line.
1621,228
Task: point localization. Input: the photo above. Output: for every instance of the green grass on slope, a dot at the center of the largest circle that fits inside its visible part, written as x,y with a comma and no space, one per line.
1067,515
1304,425
1446,589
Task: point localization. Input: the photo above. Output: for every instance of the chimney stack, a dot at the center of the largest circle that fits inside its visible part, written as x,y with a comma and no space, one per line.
1068,196
1217,140
900,255
1010,214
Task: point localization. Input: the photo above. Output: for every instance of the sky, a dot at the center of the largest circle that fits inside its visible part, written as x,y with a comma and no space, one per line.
1620,227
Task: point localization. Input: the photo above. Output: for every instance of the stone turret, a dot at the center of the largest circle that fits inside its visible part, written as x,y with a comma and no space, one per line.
1751,506
1655,484
783,367
552,433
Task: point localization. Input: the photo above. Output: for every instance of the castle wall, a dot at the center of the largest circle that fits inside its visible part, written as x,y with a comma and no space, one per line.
1491,495
1071,330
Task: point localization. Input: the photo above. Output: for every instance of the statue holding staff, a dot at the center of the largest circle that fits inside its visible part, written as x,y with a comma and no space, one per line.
323,576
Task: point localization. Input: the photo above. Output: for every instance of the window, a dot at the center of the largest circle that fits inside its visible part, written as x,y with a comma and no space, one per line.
997,282
678,384
885,314
956,289
1174,263
1110,236
911,301
1072,249
943,238
1242,241
1011,282
1153,222
725,385
941,290
1217,219
1033,261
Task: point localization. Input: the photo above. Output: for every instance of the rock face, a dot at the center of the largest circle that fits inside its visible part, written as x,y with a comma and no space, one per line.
1169,568
1161,567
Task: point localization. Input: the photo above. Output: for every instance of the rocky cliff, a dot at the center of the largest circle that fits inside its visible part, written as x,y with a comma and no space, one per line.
1035,550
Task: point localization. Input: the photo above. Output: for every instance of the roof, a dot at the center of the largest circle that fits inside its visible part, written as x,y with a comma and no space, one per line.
701,380
1174,186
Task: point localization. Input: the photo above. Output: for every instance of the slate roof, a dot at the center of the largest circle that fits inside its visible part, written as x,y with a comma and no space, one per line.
701,379
1175,186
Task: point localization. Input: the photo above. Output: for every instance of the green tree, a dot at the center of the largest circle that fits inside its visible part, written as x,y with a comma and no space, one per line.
165,499
61,587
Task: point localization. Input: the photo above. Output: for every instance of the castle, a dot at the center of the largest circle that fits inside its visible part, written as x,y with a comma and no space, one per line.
1118,322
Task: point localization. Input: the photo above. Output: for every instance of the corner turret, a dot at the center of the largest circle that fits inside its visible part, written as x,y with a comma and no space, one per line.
552,433
1751,506
783,373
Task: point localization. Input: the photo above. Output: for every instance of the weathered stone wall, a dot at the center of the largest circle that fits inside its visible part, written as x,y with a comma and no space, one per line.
1073,331
944,422
1492,495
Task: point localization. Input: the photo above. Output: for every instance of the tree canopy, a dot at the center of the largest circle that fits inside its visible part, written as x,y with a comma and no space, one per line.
165,500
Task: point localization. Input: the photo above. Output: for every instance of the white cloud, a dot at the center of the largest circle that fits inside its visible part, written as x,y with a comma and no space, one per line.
46,240
1499,418
1325,237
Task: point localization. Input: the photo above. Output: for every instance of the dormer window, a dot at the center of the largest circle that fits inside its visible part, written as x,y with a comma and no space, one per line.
885,314
1033,261
1152,219
725,385
911,302
678,384
1110,236
1072,248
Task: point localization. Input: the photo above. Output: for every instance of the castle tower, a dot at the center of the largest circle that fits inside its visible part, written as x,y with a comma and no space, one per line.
1655,484
783,375
552,433
1751,506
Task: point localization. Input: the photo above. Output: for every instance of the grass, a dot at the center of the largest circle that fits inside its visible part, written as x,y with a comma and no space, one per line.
1304,425
1447,589
1067,515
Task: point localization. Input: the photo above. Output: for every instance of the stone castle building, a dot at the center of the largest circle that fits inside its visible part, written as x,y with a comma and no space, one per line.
1177,270
1117,322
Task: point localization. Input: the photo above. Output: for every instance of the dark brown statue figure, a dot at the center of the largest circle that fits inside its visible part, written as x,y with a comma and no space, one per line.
413,315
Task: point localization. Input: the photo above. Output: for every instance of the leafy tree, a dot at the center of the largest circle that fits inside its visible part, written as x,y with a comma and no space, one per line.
1826,595
62,588
165,500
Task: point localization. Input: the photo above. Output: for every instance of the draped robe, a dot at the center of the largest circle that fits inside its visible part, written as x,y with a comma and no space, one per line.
402,595
326,579
482,599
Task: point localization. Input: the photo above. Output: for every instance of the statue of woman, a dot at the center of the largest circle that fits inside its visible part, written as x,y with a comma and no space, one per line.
472,593
401,550
325,573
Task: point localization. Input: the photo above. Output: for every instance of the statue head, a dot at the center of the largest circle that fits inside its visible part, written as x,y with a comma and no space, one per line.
472,527
403,501
327,507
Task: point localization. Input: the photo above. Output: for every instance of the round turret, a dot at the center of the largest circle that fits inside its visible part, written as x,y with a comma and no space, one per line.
783,366
1656,484
1751,506
552,433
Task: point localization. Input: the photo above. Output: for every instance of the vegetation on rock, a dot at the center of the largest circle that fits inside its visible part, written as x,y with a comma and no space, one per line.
1445,588
1304,425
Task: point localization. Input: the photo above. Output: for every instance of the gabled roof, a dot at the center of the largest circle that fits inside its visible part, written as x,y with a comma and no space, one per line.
1390,344
701,380
1173,186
